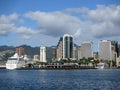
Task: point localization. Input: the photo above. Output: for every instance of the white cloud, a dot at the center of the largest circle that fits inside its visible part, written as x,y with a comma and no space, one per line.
55,23
8,25
25,30
77,34
104,21
8,19
26,37
5,29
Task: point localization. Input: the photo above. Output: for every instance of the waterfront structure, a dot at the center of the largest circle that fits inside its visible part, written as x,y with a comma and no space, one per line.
43,54
65,47
102,66
87,49
118,62
20,51
106,50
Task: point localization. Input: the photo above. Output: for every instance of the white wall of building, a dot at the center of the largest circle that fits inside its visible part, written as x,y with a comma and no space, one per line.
43,54
86,49
105,50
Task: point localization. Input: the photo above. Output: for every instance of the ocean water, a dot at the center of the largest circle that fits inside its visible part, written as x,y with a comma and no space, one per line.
108,79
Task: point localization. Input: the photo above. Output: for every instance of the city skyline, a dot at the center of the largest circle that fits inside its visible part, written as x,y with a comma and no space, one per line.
44,22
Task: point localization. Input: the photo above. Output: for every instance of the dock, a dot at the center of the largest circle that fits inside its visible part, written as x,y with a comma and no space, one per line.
2,66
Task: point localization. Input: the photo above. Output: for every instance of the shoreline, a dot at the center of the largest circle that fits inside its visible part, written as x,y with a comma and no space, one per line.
58,68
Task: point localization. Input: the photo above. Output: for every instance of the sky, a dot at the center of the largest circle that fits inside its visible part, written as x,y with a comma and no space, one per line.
37,22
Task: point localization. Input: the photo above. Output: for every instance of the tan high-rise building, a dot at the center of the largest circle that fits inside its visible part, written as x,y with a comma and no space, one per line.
79,53
20,51
107,50
87,49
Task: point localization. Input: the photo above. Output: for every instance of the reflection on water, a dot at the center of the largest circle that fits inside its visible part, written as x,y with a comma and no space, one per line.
60,79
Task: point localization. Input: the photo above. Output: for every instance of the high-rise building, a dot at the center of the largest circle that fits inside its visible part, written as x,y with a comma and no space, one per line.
43,54
95,55
60,49
87,49
79,52
65,47
54,52
75,52
20,51
106,50
116,47
36,58
119,50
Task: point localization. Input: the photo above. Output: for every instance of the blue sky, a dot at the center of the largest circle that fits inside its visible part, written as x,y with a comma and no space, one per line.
36,22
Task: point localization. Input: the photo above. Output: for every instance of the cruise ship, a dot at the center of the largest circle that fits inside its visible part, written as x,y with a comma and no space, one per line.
15,62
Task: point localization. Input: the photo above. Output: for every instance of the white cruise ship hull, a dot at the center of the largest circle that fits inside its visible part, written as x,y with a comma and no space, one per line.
13,66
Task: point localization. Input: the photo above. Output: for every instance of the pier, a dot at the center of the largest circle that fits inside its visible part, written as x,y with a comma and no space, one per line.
2,66
66,67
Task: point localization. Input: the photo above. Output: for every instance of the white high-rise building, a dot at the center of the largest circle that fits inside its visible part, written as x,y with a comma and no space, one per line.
86,49
105,50
43,54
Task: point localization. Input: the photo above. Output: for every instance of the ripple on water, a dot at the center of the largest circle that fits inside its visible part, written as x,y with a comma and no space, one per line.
60,80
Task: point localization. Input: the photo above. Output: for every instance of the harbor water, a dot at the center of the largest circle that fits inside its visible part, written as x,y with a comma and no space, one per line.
85,79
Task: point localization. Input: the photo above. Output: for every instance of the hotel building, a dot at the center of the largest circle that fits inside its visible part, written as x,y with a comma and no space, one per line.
65,47
86,50
20,51
107,50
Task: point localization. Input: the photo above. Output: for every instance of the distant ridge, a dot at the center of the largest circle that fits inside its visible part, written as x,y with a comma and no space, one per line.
5,51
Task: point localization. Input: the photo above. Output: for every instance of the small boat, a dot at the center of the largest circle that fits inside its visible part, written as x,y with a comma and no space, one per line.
102,66
15,62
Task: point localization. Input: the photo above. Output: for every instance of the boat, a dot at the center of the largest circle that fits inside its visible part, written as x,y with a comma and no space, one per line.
101,66
15,62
